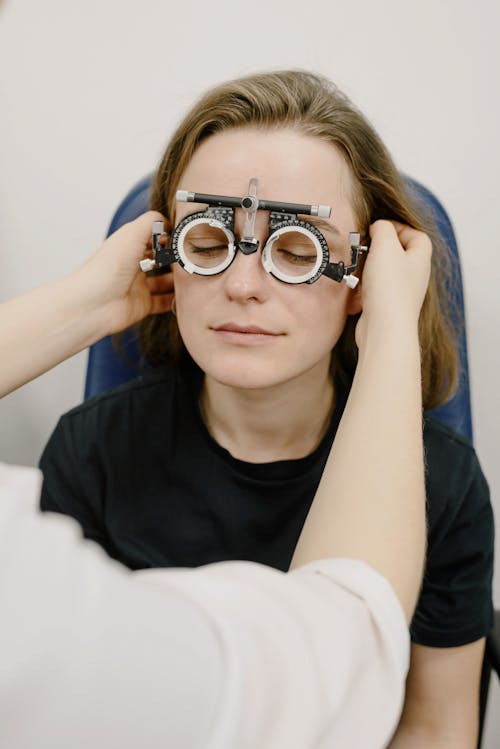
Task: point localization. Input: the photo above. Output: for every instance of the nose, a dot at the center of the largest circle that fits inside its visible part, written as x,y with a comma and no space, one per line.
246,278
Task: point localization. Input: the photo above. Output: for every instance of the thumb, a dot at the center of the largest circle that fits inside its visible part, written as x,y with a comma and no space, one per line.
135,236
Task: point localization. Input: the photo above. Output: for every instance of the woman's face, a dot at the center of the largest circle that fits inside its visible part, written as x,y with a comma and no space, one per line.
297,324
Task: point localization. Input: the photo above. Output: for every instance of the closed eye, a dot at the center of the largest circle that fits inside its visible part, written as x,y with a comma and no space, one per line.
215,248
292,257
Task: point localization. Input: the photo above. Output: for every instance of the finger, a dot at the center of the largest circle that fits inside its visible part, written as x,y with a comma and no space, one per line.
382,229
411,238
135,236
145,220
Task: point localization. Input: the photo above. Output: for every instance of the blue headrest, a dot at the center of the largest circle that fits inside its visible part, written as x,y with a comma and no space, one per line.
106,368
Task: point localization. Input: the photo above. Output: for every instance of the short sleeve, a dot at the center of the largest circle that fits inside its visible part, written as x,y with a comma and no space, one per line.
72,481
455,606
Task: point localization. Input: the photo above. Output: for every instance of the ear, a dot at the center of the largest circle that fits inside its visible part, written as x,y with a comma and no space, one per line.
354,300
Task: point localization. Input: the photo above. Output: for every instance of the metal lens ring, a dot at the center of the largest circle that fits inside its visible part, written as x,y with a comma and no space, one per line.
296,252
203,244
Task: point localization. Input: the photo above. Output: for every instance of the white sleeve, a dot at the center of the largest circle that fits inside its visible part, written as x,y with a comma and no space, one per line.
231,655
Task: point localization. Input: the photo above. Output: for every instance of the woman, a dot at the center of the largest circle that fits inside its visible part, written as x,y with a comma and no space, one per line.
242,423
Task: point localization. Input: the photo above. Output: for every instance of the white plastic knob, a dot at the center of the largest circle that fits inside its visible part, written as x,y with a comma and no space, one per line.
351,281
324,211
147,264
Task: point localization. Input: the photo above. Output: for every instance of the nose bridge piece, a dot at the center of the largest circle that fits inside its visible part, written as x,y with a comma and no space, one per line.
249,243
248,246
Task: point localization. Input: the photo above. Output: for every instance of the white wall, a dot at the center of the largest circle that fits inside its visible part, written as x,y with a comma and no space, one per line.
91,89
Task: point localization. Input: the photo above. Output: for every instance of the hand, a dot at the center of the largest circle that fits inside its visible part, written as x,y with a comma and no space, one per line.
115,282
395,279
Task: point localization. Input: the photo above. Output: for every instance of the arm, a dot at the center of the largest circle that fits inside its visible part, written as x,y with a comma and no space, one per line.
378,513
109,293
441,709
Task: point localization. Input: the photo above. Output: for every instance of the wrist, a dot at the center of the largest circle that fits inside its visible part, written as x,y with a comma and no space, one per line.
392,363
93,299
85,309
396,337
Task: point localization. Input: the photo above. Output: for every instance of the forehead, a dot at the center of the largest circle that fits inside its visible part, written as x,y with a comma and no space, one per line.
291,167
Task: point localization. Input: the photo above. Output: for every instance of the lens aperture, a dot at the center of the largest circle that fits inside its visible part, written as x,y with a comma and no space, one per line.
294,254
204,246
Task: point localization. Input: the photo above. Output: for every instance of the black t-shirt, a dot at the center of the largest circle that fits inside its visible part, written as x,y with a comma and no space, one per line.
138,469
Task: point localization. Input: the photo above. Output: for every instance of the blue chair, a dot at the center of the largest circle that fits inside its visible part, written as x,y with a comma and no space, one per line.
106,368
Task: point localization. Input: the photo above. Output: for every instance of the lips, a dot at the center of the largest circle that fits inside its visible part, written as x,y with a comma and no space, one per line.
231,327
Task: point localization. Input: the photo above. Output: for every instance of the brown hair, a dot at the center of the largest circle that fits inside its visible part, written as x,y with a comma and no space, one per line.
312,105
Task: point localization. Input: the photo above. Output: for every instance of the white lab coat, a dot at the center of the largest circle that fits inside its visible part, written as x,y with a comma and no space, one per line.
227,656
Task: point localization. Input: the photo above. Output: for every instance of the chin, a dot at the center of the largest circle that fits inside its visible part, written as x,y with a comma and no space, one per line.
253,375
248,382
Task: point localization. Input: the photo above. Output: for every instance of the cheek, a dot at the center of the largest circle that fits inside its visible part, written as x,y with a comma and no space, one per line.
187,288
193,299
323,316
178,275
183,290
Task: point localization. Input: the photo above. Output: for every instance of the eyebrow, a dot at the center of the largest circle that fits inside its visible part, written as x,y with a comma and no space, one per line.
321,223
